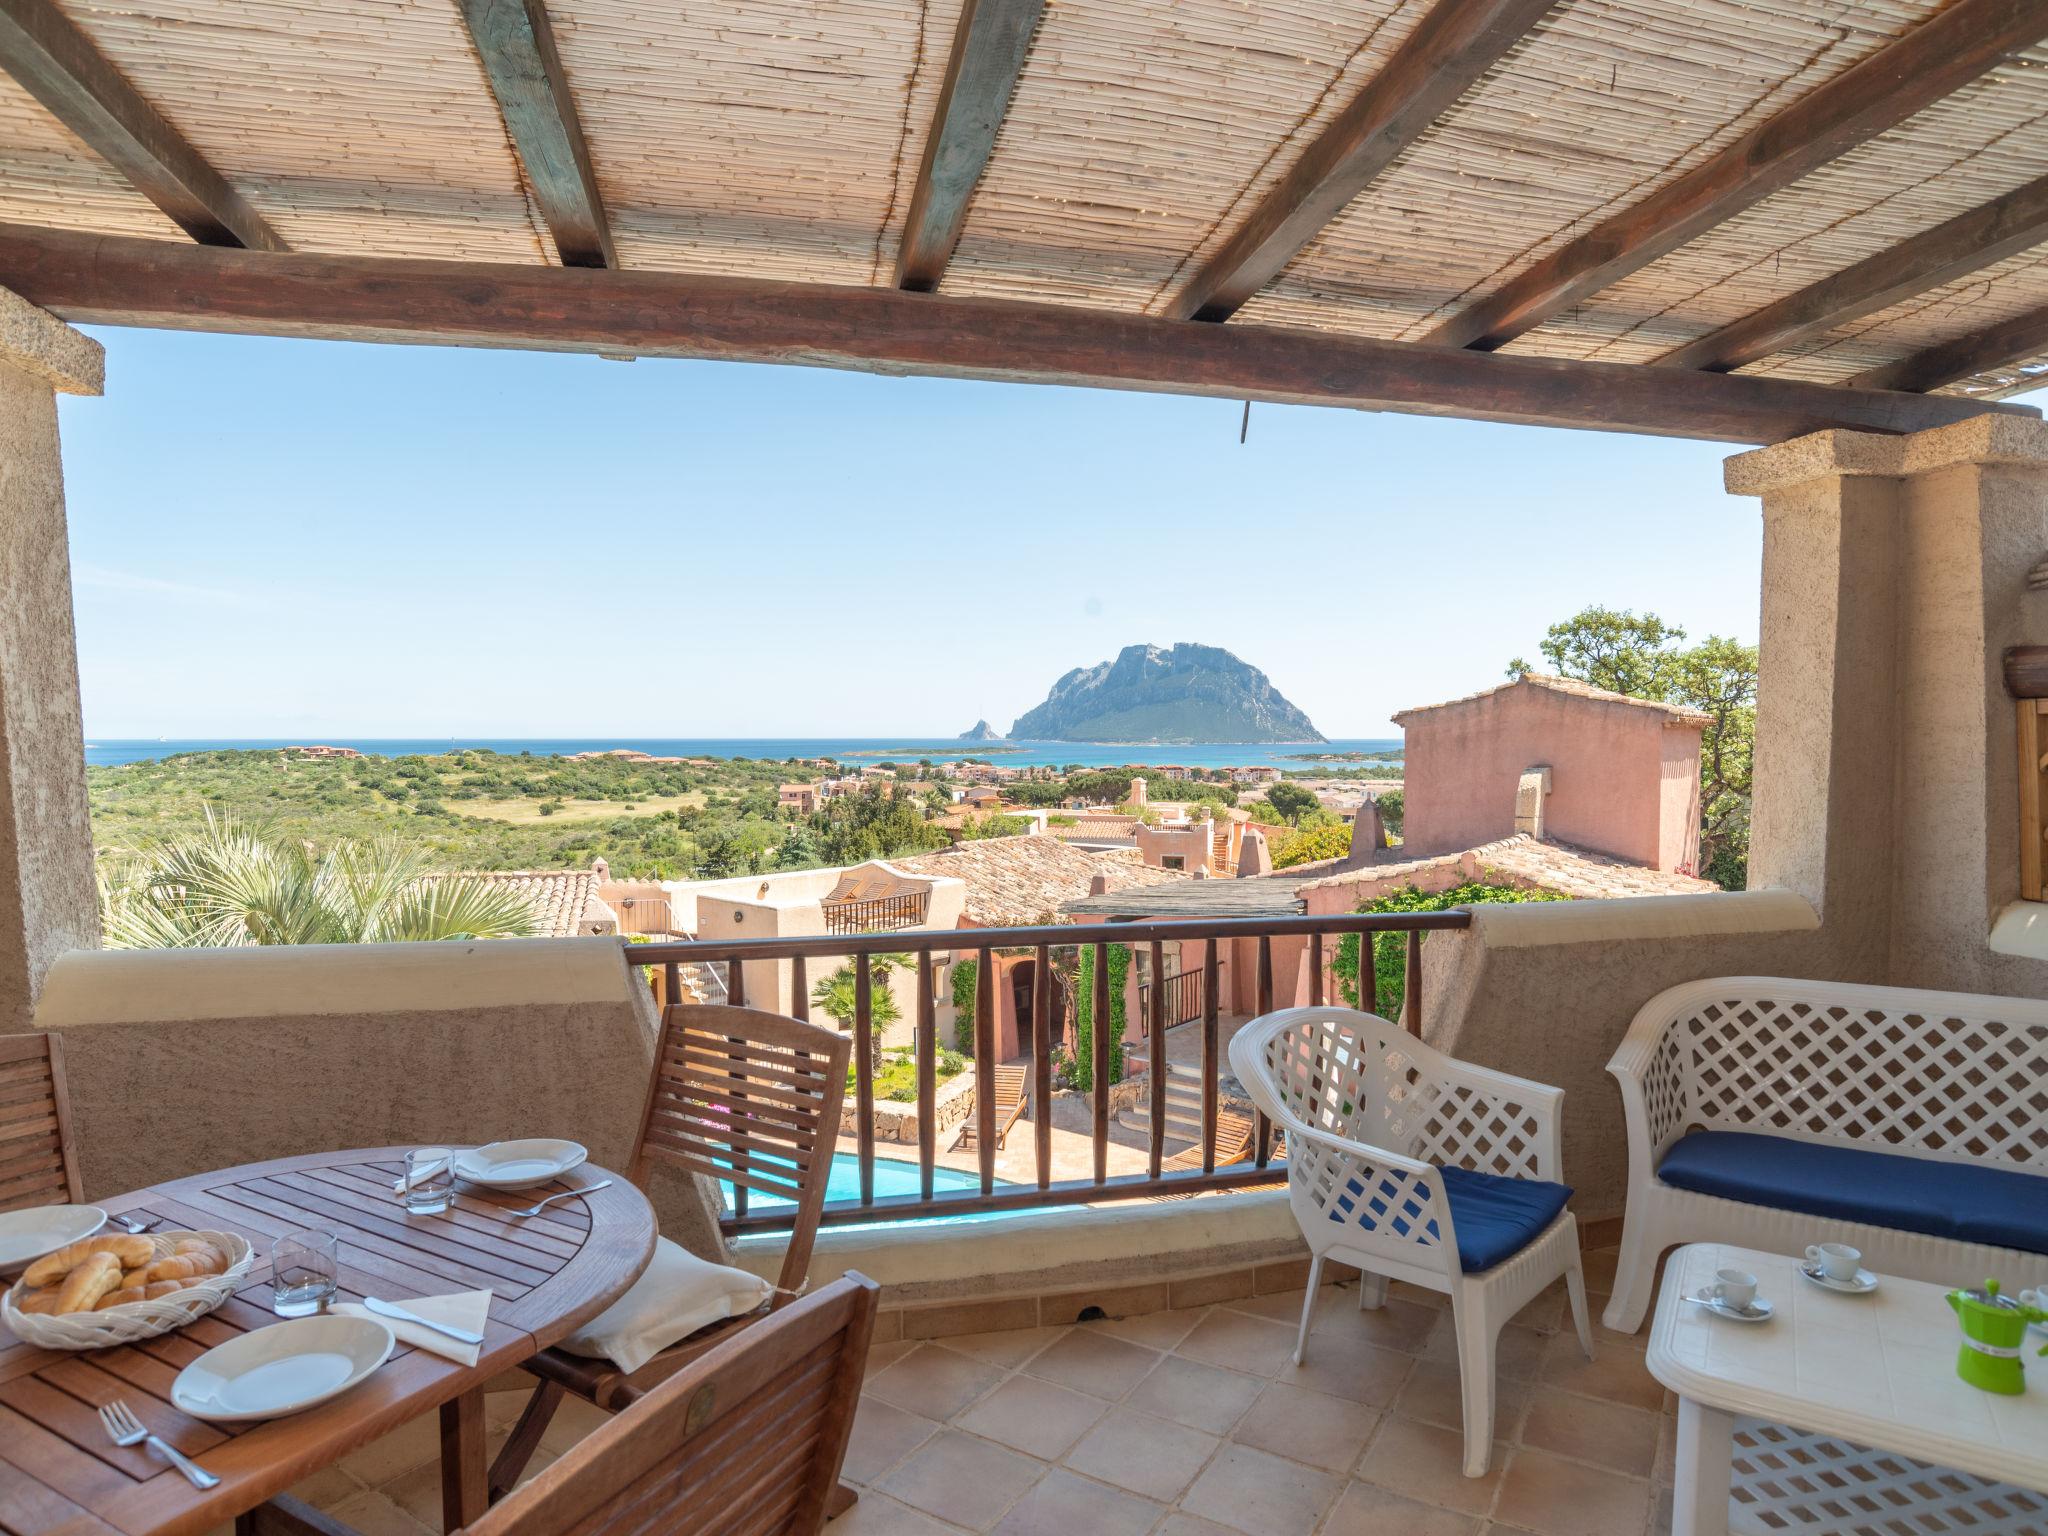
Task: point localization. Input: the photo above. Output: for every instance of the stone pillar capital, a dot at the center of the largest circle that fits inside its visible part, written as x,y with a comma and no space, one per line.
1993,438
44,347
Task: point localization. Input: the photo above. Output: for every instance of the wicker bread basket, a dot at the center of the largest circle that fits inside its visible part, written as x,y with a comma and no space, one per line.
137,1319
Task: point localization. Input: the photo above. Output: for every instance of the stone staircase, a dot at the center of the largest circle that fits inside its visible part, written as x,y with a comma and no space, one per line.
1183,1105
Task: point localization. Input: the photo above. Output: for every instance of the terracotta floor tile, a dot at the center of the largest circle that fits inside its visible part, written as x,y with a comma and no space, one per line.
1402,1325
404,1448
1624,1439
883,1435
574,1419
1239,1343
327,1488
963,1479
1090,1363
1425,1462
1180,1523
1150,1456
1062,1504
1154,1330
933,1381
418,1493
1349,1368
879,1515
1615,1375
1033,1416
1364,1510
1007,1349
1275,1307
1260,1494
1326,1432
1204,1397
1519,1353
882,1356
1434,1394
372,1514
1554,1497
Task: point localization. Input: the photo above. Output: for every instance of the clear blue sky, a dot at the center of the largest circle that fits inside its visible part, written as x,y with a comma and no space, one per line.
277,537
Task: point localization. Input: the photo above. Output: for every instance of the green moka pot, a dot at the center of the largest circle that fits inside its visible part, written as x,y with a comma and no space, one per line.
1994,1333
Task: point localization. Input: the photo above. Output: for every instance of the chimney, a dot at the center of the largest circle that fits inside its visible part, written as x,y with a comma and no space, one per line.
1530,791
1138,792
1252,858
1368,830
1098,885
601,869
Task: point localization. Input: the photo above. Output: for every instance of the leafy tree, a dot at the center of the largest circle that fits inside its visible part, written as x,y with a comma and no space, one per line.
233,884
1308,844
1393,806
1644,657
799,849
994,824
1390,950
1290,802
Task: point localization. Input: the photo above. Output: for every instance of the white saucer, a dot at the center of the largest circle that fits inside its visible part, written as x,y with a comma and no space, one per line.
1759,1311
1864,1283
27,1235
281,1369
518,1164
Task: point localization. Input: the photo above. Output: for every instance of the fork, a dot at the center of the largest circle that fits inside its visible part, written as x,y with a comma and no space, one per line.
567,1194
123,1428
133,1227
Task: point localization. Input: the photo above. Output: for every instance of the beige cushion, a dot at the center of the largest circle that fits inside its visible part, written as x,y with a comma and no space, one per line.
676,1294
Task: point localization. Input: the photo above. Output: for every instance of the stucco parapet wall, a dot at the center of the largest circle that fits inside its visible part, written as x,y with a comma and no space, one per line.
160,986
2017,441
1531,925
37,342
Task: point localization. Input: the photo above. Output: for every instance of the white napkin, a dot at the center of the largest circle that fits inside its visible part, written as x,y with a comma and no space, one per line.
468,1310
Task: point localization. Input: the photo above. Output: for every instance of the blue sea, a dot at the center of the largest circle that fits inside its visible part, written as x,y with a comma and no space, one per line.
1212,754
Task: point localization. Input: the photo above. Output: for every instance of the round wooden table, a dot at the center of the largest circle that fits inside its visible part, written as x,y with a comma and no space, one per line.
546,1273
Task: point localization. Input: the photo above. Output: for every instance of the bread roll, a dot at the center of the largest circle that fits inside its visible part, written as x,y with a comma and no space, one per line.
131,1250
122,1297
43,1301
206,1260
88,1282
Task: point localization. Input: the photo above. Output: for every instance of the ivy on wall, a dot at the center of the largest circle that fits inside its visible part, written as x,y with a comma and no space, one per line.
1119,963
1390,950
964,974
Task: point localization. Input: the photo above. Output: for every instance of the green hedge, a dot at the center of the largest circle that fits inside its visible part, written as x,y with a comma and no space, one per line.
1119,963
965,973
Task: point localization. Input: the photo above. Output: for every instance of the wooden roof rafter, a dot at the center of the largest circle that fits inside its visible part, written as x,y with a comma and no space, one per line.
1937,58
1967,243
1455,44
120,280
516,44
60,66
2015,339
989,48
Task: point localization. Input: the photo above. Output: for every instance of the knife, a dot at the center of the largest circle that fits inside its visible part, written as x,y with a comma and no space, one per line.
391,1309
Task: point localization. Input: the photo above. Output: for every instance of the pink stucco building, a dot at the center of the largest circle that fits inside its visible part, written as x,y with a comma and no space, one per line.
1560,760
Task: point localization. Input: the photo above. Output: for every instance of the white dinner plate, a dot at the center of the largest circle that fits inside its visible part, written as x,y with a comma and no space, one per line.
26,1236
281,1369
518,1164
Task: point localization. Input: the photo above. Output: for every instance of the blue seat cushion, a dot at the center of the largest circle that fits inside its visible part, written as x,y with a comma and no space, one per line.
1964,1201
1495,1218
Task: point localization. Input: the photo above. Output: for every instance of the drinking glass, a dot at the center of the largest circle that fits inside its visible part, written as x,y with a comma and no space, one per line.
302,1271
429,1180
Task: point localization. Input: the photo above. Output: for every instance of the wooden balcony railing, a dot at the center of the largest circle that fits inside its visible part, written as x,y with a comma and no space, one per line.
1183,998
883,914
1216,1170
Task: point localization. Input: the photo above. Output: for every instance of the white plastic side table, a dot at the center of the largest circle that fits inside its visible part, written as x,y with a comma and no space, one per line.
1841,1414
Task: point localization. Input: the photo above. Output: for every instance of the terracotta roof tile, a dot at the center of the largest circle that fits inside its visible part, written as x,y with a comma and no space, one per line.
1559,867
563,899
1015,881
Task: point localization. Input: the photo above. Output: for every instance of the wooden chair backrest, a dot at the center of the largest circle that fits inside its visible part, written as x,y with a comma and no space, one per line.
38,1158
748,1438
751,1098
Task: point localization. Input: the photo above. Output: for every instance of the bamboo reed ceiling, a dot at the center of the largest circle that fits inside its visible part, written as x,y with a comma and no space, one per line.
783,139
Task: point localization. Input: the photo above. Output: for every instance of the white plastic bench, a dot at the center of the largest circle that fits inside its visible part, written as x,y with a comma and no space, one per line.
1941,1077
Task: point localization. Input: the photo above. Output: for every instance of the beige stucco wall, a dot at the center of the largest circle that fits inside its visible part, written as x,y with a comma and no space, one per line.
180,1061
47,900
1611,768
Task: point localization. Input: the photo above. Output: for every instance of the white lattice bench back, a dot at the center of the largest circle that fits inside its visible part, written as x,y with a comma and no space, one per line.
1930,1074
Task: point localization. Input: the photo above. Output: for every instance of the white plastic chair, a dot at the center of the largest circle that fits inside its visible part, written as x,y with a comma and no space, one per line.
1372,1118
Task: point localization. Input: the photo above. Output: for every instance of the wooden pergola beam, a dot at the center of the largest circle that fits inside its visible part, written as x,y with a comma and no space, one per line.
1940,56
61,67
1450,48
517,46
1960,357
989,46
1967,243
115,280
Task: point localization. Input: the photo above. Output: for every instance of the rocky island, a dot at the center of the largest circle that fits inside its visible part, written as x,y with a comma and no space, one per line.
982,731
1185,693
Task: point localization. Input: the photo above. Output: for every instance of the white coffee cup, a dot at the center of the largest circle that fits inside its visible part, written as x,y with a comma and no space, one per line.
1733,1288
1838,1261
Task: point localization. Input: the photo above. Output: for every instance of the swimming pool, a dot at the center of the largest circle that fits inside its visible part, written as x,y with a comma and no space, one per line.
894,1177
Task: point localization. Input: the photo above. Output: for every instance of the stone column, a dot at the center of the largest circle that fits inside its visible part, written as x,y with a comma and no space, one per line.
1886,783
47,901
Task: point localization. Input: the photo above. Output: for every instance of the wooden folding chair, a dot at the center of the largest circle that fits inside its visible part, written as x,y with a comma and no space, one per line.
1013,1091
747,1438
748,1097
38,1158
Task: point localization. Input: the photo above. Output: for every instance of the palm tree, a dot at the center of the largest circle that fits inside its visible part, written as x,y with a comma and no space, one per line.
231,884
835,994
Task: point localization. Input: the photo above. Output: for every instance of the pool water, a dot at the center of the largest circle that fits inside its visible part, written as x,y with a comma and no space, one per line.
893,1177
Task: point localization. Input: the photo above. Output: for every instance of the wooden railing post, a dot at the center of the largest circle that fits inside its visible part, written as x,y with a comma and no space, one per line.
1155,1059
864,1074
927,1050
1264,1149
1210,1064
1100,1064
1315,970
799,990
985,1068
1411,985
1041,1061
